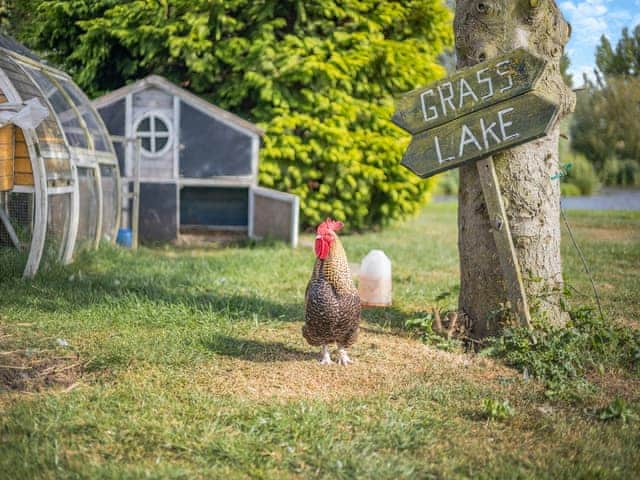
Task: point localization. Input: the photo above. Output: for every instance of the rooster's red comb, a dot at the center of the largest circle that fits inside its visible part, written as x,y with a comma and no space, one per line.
329,225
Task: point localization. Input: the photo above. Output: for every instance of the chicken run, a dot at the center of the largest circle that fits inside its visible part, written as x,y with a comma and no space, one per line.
59,178
65,186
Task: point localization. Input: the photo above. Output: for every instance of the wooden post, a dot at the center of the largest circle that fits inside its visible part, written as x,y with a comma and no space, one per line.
504,241
136,195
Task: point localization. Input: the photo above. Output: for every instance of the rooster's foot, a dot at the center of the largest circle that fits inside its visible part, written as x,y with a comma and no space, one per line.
344,357
326,358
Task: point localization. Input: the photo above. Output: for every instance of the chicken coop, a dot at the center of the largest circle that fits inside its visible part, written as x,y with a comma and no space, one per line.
59,179
197,166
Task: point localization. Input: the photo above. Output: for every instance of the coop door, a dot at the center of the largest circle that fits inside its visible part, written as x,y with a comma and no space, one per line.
158,219
274,215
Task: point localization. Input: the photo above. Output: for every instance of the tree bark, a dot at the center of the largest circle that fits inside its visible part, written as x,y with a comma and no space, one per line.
485,29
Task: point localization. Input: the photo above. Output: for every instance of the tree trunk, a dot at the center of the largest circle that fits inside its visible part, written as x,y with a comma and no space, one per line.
485,29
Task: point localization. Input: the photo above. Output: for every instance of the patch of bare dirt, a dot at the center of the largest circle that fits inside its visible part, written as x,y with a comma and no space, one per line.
208,238
33,369
616,384
278,364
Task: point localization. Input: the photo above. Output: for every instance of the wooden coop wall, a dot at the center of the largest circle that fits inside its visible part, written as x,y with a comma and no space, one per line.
7,162
23,170
15,164
159,102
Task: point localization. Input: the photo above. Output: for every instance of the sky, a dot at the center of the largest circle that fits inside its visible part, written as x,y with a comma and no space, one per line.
590,19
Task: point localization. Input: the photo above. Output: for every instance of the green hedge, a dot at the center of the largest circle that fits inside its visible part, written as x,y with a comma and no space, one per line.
320,76
581,178
624,173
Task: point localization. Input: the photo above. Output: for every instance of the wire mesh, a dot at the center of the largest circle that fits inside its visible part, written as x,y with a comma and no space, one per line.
88,217
211,148
16,223
273,217
58,219
109,201
214,206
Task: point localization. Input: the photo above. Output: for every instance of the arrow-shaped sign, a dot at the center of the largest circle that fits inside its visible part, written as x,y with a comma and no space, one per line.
480,134
468,91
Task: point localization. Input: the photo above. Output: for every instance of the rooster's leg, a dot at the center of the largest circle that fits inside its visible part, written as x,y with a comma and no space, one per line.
326,358
344,357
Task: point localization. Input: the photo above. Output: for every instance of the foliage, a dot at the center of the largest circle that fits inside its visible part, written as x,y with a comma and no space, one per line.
167,333
562,356
565,63
607,121
569,190
618,409
423,326
4,15
497,410
579,173
625,173
447,183
319,76
16,17
624,60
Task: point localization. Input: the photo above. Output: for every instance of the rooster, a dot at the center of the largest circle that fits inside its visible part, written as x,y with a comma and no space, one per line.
331,303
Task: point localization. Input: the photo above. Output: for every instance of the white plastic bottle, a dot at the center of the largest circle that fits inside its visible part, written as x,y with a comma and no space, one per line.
375,280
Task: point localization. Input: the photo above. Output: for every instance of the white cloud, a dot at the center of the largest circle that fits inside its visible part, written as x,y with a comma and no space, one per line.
590,19
579,72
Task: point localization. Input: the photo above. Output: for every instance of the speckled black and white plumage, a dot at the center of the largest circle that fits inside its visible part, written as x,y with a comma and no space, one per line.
332,303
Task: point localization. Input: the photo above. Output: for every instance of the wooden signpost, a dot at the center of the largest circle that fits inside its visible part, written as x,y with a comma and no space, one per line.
468,90
469,116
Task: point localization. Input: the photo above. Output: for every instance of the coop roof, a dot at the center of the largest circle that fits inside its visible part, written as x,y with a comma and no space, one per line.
72,122
186,96
10,44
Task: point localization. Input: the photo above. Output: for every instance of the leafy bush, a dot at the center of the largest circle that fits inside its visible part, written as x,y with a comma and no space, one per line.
447,183
579,173
624,173
617,410
423,326
560,357
607,121
569,190
320,76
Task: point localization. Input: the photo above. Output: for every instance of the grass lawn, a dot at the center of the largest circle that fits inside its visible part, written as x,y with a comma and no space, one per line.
190,364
